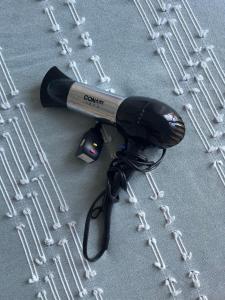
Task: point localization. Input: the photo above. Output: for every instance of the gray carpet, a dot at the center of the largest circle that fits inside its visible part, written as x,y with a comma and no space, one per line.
193,187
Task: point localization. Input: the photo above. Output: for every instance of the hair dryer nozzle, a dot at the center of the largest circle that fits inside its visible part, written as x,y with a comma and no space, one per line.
55,88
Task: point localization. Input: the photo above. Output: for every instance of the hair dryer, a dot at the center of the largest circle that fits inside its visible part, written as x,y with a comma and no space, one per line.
145,120
142,121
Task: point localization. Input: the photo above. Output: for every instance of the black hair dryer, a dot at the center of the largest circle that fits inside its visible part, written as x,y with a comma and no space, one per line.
141,120
145,120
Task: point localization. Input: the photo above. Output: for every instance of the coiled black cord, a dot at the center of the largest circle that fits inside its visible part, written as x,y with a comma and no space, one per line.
120,169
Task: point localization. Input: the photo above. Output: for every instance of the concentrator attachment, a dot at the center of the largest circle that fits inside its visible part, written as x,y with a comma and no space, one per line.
55,88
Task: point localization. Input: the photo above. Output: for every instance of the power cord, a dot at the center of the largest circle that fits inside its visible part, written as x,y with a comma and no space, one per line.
126,161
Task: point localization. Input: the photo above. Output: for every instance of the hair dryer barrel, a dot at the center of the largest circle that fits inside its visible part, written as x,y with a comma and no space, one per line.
58,90
145,120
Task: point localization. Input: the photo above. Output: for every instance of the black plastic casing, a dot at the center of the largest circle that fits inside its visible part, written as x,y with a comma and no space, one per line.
150,122
55,88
